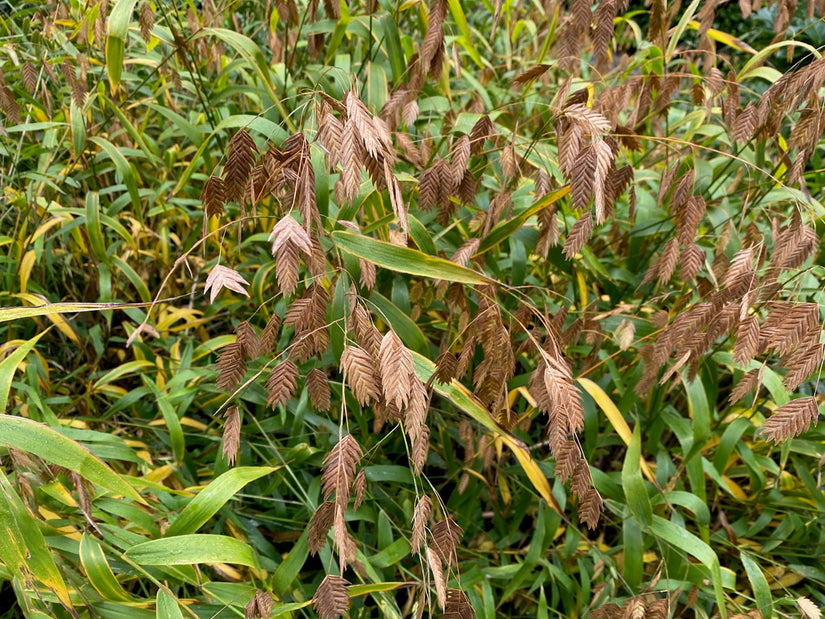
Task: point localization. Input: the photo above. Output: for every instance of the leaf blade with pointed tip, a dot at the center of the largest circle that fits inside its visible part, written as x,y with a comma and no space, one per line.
190,549
406,260
212,498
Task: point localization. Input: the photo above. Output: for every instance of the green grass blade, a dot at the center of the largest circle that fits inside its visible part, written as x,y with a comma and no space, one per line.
212,498
9,365
405,260
118,31
632,483
22,546
52,446
167,606
190,549
687,542
759,584
99,572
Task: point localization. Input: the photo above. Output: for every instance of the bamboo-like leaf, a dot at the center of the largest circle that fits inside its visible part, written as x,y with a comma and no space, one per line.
405,260
167,606
687,542
43,441
632,483
99,572
191,549
118,30
22,546
9,366
212,498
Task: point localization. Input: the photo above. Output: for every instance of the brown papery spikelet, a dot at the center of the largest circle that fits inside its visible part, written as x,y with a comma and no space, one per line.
460,159
458,606
367,273
579,234
360,487
28,73
747,341
281,384
213,198
239,165
331,599
668,260
352,158
805,360
590,508
445,368
318,390
581,178
482,130
428,188
231,434
603,166
446,536
439,578
231,366
269,336
359,368
146,21
530,74
420,449
319,526
248,340
790,420
421,516
339,470
9,105
397,370
745,385
415,415
260,606
799,319
658,609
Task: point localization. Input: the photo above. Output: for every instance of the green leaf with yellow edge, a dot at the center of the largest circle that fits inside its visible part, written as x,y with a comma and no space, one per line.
406,260
22,546
65,327
9,366
459,395
190,549
212,498
614,416
99,572
49,444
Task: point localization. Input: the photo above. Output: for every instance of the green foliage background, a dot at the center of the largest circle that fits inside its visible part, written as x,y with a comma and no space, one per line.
113,468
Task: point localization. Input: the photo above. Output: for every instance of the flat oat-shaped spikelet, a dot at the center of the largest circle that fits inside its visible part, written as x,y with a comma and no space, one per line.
331,599
358,366
287,237
458,606
397,369
339,469
790,420
223,277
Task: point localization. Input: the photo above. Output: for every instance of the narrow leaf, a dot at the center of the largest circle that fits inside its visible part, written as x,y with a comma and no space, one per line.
212,498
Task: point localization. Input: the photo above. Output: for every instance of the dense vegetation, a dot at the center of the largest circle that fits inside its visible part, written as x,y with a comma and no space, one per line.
469,309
